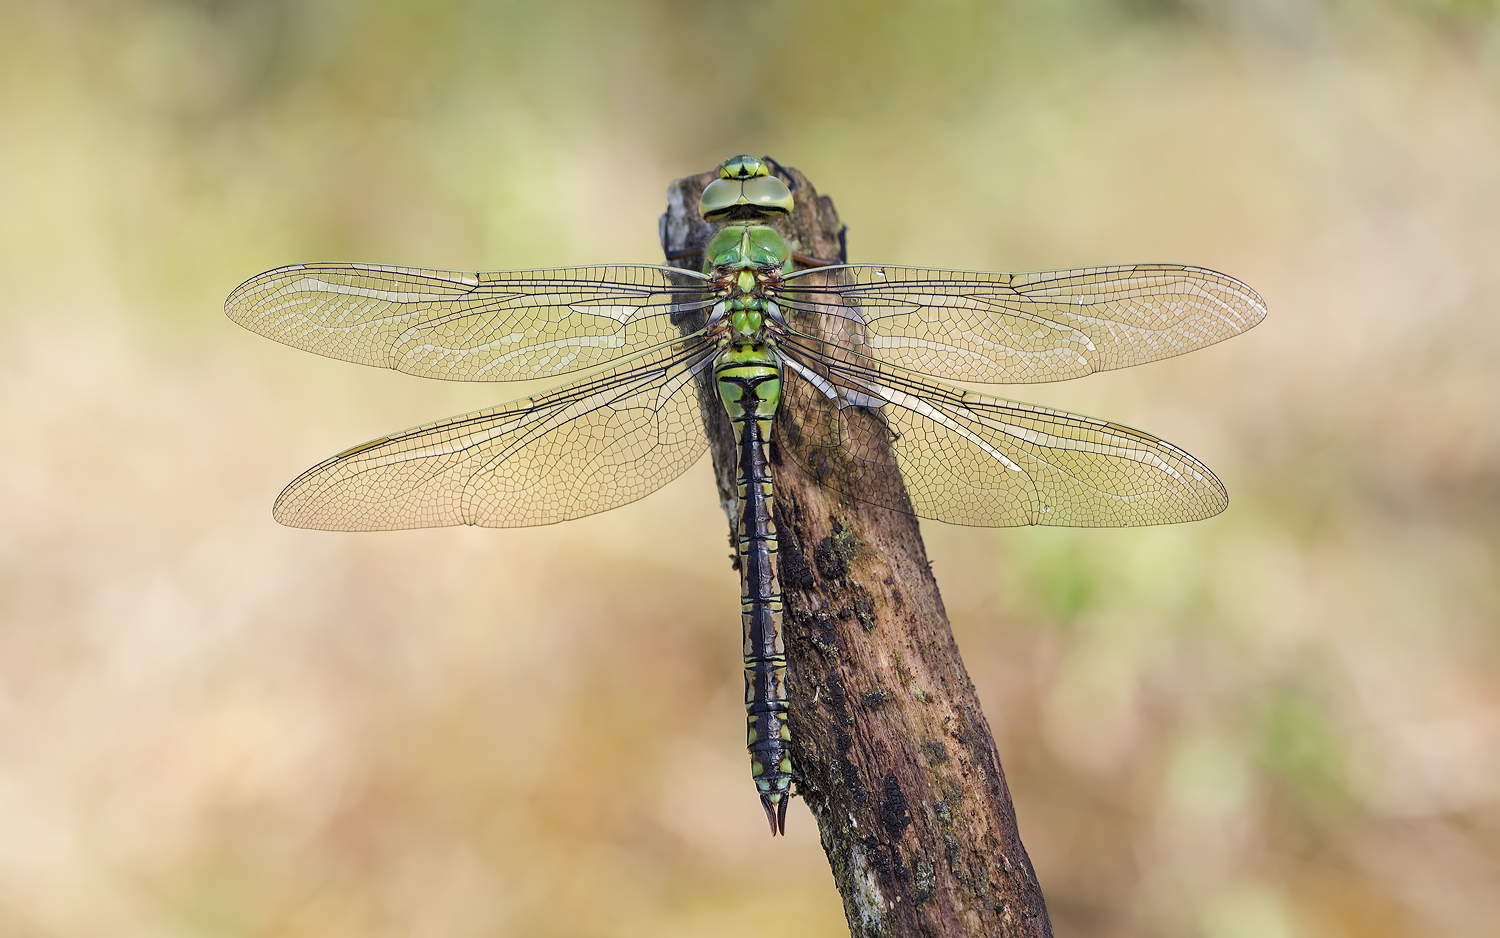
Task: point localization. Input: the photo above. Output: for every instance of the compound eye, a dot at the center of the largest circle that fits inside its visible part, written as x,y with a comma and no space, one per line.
720,196
768,194
743,166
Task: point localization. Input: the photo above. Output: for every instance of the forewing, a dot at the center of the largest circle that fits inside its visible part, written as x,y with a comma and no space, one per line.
586,447
997,328
496,326
971,459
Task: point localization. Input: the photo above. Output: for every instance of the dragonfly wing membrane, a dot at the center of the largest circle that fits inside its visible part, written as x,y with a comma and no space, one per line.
999,328
586,447
487,326
972,459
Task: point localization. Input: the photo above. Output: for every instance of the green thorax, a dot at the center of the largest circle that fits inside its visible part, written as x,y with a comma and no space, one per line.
747,251
746,244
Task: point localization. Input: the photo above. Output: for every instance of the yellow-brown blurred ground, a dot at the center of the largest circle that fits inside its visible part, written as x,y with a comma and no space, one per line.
1280,723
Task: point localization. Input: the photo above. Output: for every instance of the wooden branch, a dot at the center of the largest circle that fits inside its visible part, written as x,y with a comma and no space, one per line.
892,752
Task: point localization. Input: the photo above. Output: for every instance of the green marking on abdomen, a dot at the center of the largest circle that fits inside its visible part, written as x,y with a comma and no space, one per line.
749,382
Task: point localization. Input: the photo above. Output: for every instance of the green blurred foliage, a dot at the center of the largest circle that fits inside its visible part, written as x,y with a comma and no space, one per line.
1280,723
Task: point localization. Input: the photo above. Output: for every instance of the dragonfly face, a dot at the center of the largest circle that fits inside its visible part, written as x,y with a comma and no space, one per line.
632,421
744,183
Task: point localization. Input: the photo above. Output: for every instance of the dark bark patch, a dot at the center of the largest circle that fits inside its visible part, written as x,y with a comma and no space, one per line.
837,703
894,817
804,628
848,773
832,560
881,860
792,564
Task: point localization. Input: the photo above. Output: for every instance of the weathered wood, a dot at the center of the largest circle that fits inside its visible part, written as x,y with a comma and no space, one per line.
892,752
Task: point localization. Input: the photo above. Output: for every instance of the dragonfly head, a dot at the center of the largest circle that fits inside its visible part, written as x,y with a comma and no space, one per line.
746,181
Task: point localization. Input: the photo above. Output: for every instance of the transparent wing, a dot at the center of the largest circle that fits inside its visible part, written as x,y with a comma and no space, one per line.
586,447
995,328
499,326
972,459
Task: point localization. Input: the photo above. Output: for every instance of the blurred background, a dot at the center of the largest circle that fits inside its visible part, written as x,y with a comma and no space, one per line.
1283,722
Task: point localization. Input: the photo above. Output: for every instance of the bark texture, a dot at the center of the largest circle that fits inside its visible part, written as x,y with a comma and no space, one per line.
891,750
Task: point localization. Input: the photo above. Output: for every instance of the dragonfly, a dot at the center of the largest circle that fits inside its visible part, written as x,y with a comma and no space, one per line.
646,338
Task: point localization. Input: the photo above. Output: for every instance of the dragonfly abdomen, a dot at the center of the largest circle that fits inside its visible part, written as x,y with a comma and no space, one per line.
749,382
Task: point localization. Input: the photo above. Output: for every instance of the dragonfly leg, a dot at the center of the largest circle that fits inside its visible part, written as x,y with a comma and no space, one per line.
807,260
